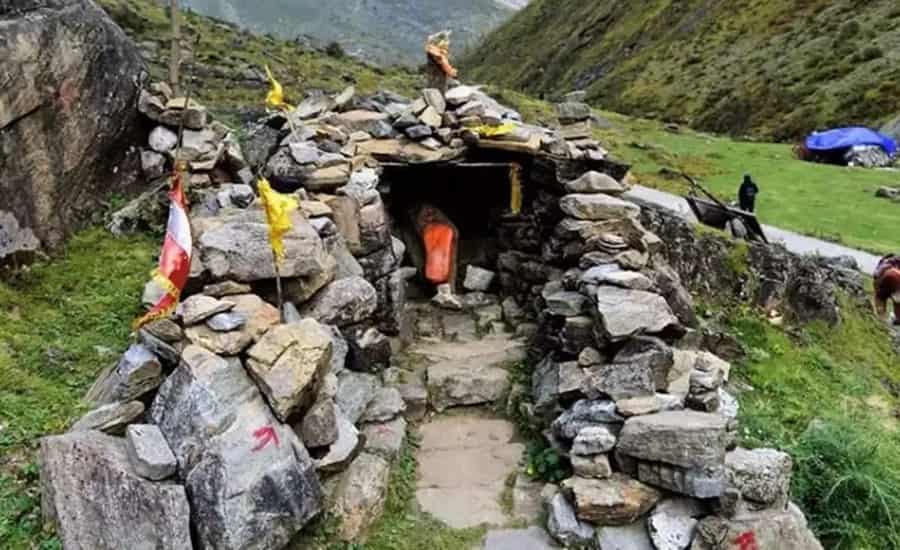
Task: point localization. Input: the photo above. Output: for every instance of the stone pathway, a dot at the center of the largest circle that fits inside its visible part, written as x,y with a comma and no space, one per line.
464,461
467,455
799,244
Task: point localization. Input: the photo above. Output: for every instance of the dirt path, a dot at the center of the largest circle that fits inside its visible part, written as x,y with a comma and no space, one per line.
799,244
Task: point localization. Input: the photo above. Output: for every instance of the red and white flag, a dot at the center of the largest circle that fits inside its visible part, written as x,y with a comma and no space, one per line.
175,259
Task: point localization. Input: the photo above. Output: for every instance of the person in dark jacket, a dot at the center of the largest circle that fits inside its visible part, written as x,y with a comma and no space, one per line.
747,194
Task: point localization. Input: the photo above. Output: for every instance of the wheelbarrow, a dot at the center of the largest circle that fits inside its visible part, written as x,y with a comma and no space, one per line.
712,212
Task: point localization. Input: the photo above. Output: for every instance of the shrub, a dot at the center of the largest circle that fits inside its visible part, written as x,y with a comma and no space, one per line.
335,50
848,482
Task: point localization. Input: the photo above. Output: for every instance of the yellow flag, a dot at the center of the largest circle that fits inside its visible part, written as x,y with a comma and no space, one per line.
278,208
494,131
275,97
515,188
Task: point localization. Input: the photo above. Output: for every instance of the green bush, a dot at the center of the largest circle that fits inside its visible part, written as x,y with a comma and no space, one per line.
847,480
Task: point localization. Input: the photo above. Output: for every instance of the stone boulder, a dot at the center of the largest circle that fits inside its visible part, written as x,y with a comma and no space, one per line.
454,383
251,482
70,120
17,244
597,207
289,363
235,246
618,500
624,313
94,497
682,451
564,526
360,494
136,373
343,302
768,530
762,476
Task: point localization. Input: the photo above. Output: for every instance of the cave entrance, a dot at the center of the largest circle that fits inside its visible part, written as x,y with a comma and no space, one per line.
474,196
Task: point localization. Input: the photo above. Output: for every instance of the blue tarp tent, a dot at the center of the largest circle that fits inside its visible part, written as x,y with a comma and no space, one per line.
844,138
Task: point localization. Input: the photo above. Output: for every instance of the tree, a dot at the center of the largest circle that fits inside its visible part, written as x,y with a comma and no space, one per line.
175,54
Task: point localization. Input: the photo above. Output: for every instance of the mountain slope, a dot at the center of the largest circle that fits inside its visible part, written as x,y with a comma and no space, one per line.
227,63
773,69
384,31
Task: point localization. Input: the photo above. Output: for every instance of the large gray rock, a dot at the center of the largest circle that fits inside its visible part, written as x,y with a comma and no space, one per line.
762,476
532,538
597,207
594,466
618,381
594,440
648,354
343,302
769,530
564,526
149,453
251,481
345,448
386,405
110,418
478,279
683,438
289,363
17,243
137,372
385,439
96,500
673,522
198,307
70,120
595,182
355,391
319,427
360,494
235,246
583,414
618,500
259,315
624,313
455,383
628,537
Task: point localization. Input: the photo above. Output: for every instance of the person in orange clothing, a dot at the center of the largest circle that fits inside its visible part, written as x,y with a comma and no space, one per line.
439,238
887,286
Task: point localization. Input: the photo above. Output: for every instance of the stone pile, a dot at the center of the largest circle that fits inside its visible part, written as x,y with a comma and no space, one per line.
642,417
242,422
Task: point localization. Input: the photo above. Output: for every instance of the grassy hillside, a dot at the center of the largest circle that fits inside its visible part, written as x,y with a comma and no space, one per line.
385,31
773,69
227,62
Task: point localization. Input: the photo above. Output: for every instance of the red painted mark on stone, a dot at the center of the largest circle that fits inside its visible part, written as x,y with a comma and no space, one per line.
265,436
68,93
384,430
747,541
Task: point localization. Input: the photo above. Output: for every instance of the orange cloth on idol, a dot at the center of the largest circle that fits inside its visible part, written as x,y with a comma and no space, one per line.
439,242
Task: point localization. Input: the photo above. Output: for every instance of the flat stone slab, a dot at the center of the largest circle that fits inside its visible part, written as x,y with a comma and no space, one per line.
533,538
464,461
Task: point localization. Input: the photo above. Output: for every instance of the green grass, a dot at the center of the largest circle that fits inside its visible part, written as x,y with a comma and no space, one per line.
828,396
61,323
831,202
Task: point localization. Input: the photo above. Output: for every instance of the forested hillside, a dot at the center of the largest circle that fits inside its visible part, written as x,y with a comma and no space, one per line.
772,69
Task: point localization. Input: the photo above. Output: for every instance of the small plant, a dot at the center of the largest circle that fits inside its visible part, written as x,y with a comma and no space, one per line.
546,464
